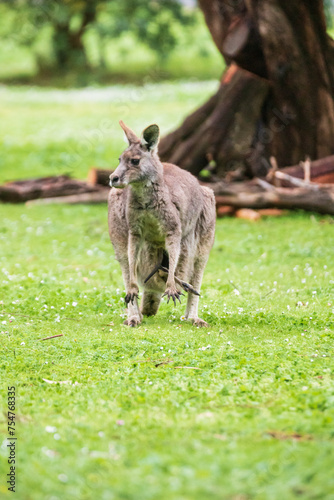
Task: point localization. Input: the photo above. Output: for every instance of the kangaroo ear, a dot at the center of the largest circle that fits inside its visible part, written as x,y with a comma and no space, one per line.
131,136
150,137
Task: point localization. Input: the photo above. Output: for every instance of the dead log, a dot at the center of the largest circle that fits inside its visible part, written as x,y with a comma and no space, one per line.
99,176
322,171
44,187
100,196
260,194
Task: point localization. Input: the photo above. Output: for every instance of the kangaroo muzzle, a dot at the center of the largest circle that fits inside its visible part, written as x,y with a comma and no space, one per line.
115,181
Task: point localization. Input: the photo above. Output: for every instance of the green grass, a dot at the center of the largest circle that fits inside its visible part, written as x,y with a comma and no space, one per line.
49,132
241,411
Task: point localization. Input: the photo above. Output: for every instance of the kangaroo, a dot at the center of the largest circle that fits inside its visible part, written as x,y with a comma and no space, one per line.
160,218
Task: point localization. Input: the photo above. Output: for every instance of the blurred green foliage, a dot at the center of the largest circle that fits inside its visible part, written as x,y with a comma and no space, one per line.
329,12
135,37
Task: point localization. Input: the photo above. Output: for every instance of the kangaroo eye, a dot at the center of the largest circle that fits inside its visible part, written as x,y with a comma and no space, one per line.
135,161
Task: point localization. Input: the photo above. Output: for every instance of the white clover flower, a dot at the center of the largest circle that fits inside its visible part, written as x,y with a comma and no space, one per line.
50,428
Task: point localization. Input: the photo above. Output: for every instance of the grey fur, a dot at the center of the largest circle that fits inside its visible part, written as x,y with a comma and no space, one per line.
161,207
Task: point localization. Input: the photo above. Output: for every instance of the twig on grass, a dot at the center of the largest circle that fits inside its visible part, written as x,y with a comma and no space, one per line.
266,295
52,337
18,314
164,362
189,367
235,288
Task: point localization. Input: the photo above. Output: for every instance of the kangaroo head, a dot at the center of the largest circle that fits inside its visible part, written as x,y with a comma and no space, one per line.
139,163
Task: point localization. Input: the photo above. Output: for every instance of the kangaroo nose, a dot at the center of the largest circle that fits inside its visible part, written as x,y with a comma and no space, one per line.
113,180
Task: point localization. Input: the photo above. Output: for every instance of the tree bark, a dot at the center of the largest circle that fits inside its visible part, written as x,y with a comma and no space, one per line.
222,129
283,43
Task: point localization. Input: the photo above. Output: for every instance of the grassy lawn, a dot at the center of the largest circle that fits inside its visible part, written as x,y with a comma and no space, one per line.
241,411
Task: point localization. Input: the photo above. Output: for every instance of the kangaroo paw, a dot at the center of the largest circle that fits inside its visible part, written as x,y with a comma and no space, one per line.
174,294
131,294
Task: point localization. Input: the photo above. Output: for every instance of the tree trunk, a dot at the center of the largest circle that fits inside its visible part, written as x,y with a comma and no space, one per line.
68,48
279,100
68,45
222,129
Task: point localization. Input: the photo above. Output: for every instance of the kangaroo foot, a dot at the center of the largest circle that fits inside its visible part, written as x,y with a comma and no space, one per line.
200,323
132,321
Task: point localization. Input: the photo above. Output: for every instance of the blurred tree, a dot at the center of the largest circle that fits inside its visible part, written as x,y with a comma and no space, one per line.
154,22
329,12
276,97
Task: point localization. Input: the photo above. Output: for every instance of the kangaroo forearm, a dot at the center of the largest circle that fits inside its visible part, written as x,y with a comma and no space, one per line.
173,249
133,251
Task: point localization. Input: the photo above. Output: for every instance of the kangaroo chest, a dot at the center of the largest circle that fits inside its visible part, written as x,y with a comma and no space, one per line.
148,227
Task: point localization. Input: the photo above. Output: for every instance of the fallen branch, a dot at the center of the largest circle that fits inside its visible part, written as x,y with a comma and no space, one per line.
295,180
260,194
100,196
319,171
52,337
189,367
44,187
